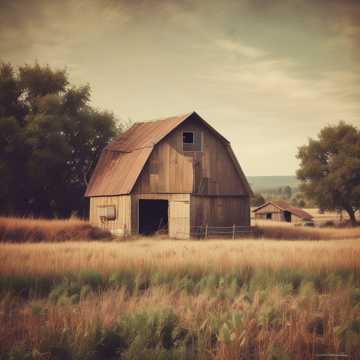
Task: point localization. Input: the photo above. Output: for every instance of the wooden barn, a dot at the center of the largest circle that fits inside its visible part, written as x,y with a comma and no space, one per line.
281,211
175,174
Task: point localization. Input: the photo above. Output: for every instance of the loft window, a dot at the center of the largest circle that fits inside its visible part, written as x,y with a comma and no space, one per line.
192,141
107,212
188,138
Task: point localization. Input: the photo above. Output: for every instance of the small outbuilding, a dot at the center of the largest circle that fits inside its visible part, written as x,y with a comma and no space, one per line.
176,174
280,210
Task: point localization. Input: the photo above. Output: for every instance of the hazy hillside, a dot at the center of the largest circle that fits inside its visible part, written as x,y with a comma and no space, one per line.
259,183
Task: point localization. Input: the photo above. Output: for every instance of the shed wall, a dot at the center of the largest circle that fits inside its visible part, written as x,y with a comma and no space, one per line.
277,214
221,211
122,224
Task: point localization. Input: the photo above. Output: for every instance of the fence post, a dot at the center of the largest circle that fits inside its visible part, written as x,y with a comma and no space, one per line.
234,232
206,231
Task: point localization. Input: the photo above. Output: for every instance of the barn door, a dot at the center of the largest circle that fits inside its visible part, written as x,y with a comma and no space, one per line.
179,219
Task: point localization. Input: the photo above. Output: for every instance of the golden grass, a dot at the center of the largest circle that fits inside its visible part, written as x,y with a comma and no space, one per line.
292,331
286,231
261,317
57,258
37,230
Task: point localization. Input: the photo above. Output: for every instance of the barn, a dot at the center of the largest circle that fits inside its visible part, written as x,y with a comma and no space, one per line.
177,174
280,210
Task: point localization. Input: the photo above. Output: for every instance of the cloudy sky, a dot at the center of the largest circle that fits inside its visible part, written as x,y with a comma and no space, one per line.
268,74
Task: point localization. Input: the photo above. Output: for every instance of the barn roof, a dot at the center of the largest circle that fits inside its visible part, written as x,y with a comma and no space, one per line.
121,162
284,206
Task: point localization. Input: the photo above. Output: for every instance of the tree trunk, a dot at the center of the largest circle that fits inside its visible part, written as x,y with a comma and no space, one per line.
352,217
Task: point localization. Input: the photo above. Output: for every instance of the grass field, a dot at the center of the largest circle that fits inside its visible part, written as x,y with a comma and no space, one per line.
14,229
163,299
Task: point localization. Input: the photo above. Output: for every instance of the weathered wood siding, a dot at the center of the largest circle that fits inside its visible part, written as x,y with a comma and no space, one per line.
122,224
276,214
179,217
220,211
270,208
171,170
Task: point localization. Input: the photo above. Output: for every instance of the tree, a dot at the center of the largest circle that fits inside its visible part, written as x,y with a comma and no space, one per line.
287,192
330,169
257,200
50,139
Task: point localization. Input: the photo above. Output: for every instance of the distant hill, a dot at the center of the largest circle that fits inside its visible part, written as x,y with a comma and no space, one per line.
260,183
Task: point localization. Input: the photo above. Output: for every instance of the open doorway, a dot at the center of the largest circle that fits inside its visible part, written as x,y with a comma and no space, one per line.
287,216
153,216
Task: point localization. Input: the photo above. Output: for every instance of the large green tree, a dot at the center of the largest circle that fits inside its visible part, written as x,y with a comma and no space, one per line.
330,169
50,139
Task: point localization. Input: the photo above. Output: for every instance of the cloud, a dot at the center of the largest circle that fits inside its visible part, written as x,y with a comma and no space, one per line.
264,72
237,48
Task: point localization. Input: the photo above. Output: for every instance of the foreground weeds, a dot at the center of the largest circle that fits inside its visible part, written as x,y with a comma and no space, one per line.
180,300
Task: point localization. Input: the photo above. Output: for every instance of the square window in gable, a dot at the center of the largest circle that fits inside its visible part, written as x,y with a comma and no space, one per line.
188,137
192,141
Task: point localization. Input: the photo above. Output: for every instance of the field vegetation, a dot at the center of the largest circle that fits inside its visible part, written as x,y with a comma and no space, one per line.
14,229
162,299
27,230
287,231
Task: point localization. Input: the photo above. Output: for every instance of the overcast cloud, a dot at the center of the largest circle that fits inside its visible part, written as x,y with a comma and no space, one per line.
267,74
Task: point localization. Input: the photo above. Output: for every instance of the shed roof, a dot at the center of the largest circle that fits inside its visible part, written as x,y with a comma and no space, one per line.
121,162
284,206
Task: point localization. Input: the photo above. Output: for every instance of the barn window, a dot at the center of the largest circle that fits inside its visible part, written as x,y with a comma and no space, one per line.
192,141
107,212
188,137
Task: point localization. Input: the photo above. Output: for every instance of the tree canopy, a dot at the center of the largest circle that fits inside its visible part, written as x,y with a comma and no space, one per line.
50,139
330,169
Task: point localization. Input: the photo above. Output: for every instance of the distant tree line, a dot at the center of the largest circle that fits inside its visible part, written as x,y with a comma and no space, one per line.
287,193
50,139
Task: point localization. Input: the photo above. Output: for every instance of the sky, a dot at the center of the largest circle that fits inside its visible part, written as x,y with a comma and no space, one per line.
267,74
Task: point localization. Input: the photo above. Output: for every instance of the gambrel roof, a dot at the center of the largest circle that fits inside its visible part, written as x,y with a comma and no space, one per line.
121,162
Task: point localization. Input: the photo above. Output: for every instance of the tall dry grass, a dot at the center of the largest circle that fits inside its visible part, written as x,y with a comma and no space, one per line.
285,231
177,255
38,230
175,325
161,299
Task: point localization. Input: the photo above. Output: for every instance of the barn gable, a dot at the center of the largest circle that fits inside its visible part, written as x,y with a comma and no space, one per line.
282,206
143,158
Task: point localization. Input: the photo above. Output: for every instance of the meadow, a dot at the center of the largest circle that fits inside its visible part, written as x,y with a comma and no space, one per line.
154,298
13,229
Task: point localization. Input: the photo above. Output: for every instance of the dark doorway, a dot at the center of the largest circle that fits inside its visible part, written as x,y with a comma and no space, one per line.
287,216
268,216
153,216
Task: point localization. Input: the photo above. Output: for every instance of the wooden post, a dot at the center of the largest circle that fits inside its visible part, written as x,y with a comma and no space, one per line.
206,231
234,232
